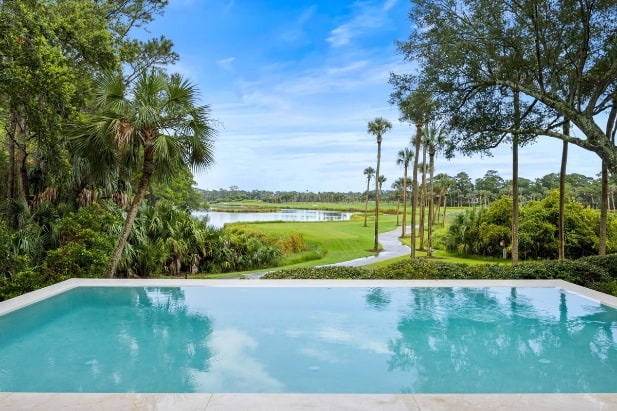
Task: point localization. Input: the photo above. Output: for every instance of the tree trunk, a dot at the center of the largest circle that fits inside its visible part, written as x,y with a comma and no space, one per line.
398,206
562,195
376,246
437,214
445,204
610,134
514,244
404,202
144,183
10,145
368,186
603,210
429,245
22,155
414,192
422,200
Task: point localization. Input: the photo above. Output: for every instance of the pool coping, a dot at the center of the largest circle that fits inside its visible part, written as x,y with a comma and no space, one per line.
226,401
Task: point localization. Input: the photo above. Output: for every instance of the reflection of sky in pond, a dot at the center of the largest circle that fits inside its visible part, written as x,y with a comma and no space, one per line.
220,218
311,339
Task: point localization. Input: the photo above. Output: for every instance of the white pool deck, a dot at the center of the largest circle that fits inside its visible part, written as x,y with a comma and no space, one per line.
239,402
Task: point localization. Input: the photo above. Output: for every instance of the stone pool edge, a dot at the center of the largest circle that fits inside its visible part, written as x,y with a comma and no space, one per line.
227,401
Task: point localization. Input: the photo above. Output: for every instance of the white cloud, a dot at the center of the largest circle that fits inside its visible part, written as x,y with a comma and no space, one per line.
227,64
340,36
367,17
233,367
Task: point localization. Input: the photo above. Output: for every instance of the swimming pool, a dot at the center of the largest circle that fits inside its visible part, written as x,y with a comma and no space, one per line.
346,337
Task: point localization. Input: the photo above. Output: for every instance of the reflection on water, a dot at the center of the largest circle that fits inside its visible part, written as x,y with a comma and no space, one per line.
311,340
486,341
109,340
219,218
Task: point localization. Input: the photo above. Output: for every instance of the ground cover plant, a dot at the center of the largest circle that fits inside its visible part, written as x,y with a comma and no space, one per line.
598,273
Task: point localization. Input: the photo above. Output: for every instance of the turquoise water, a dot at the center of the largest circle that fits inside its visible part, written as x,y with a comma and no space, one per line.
311,340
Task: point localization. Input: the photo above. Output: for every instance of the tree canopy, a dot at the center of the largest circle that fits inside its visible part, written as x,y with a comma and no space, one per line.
472,56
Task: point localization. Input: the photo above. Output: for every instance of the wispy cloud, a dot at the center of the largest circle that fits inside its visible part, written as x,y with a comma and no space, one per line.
226,64
365,18
341,35
296,32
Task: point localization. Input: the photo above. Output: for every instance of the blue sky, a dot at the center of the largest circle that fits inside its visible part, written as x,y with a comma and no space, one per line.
293,85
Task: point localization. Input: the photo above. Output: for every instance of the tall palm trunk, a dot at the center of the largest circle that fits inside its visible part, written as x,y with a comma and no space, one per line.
414,193
431,167
398,206
376,246
144,183
445,205
368,186
422,199
404,202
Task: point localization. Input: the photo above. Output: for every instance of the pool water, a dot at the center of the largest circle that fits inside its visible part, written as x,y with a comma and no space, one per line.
310,340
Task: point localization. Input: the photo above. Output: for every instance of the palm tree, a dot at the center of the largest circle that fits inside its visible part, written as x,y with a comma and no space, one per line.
378,127
416,108
155,125
369,172
444,182
382,179
422,166
404,157
397,186
434,137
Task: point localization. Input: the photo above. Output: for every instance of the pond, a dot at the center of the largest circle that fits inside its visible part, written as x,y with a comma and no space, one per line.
219,218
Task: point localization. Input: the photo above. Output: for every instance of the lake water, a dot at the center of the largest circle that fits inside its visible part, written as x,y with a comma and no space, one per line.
220,218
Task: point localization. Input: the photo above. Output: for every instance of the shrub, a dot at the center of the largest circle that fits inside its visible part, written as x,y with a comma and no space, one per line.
579,272
330,272
606,262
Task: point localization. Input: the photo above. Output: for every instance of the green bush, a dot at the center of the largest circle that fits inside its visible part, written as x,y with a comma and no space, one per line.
329,273
23,282
581,272
606,262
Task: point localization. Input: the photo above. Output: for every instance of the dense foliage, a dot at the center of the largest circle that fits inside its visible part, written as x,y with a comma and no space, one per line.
487,231
165,240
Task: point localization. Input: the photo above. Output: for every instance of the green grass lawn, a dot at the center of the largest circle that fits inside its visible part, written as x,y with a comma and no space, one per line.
337,240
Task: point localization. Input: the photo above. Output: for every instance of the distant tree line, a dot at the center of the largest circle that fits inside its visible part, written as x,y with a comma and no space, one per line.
461,191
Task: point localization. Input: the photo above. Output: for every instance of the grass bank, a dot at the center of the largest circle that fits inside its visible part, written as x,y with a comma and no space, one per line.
329,241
